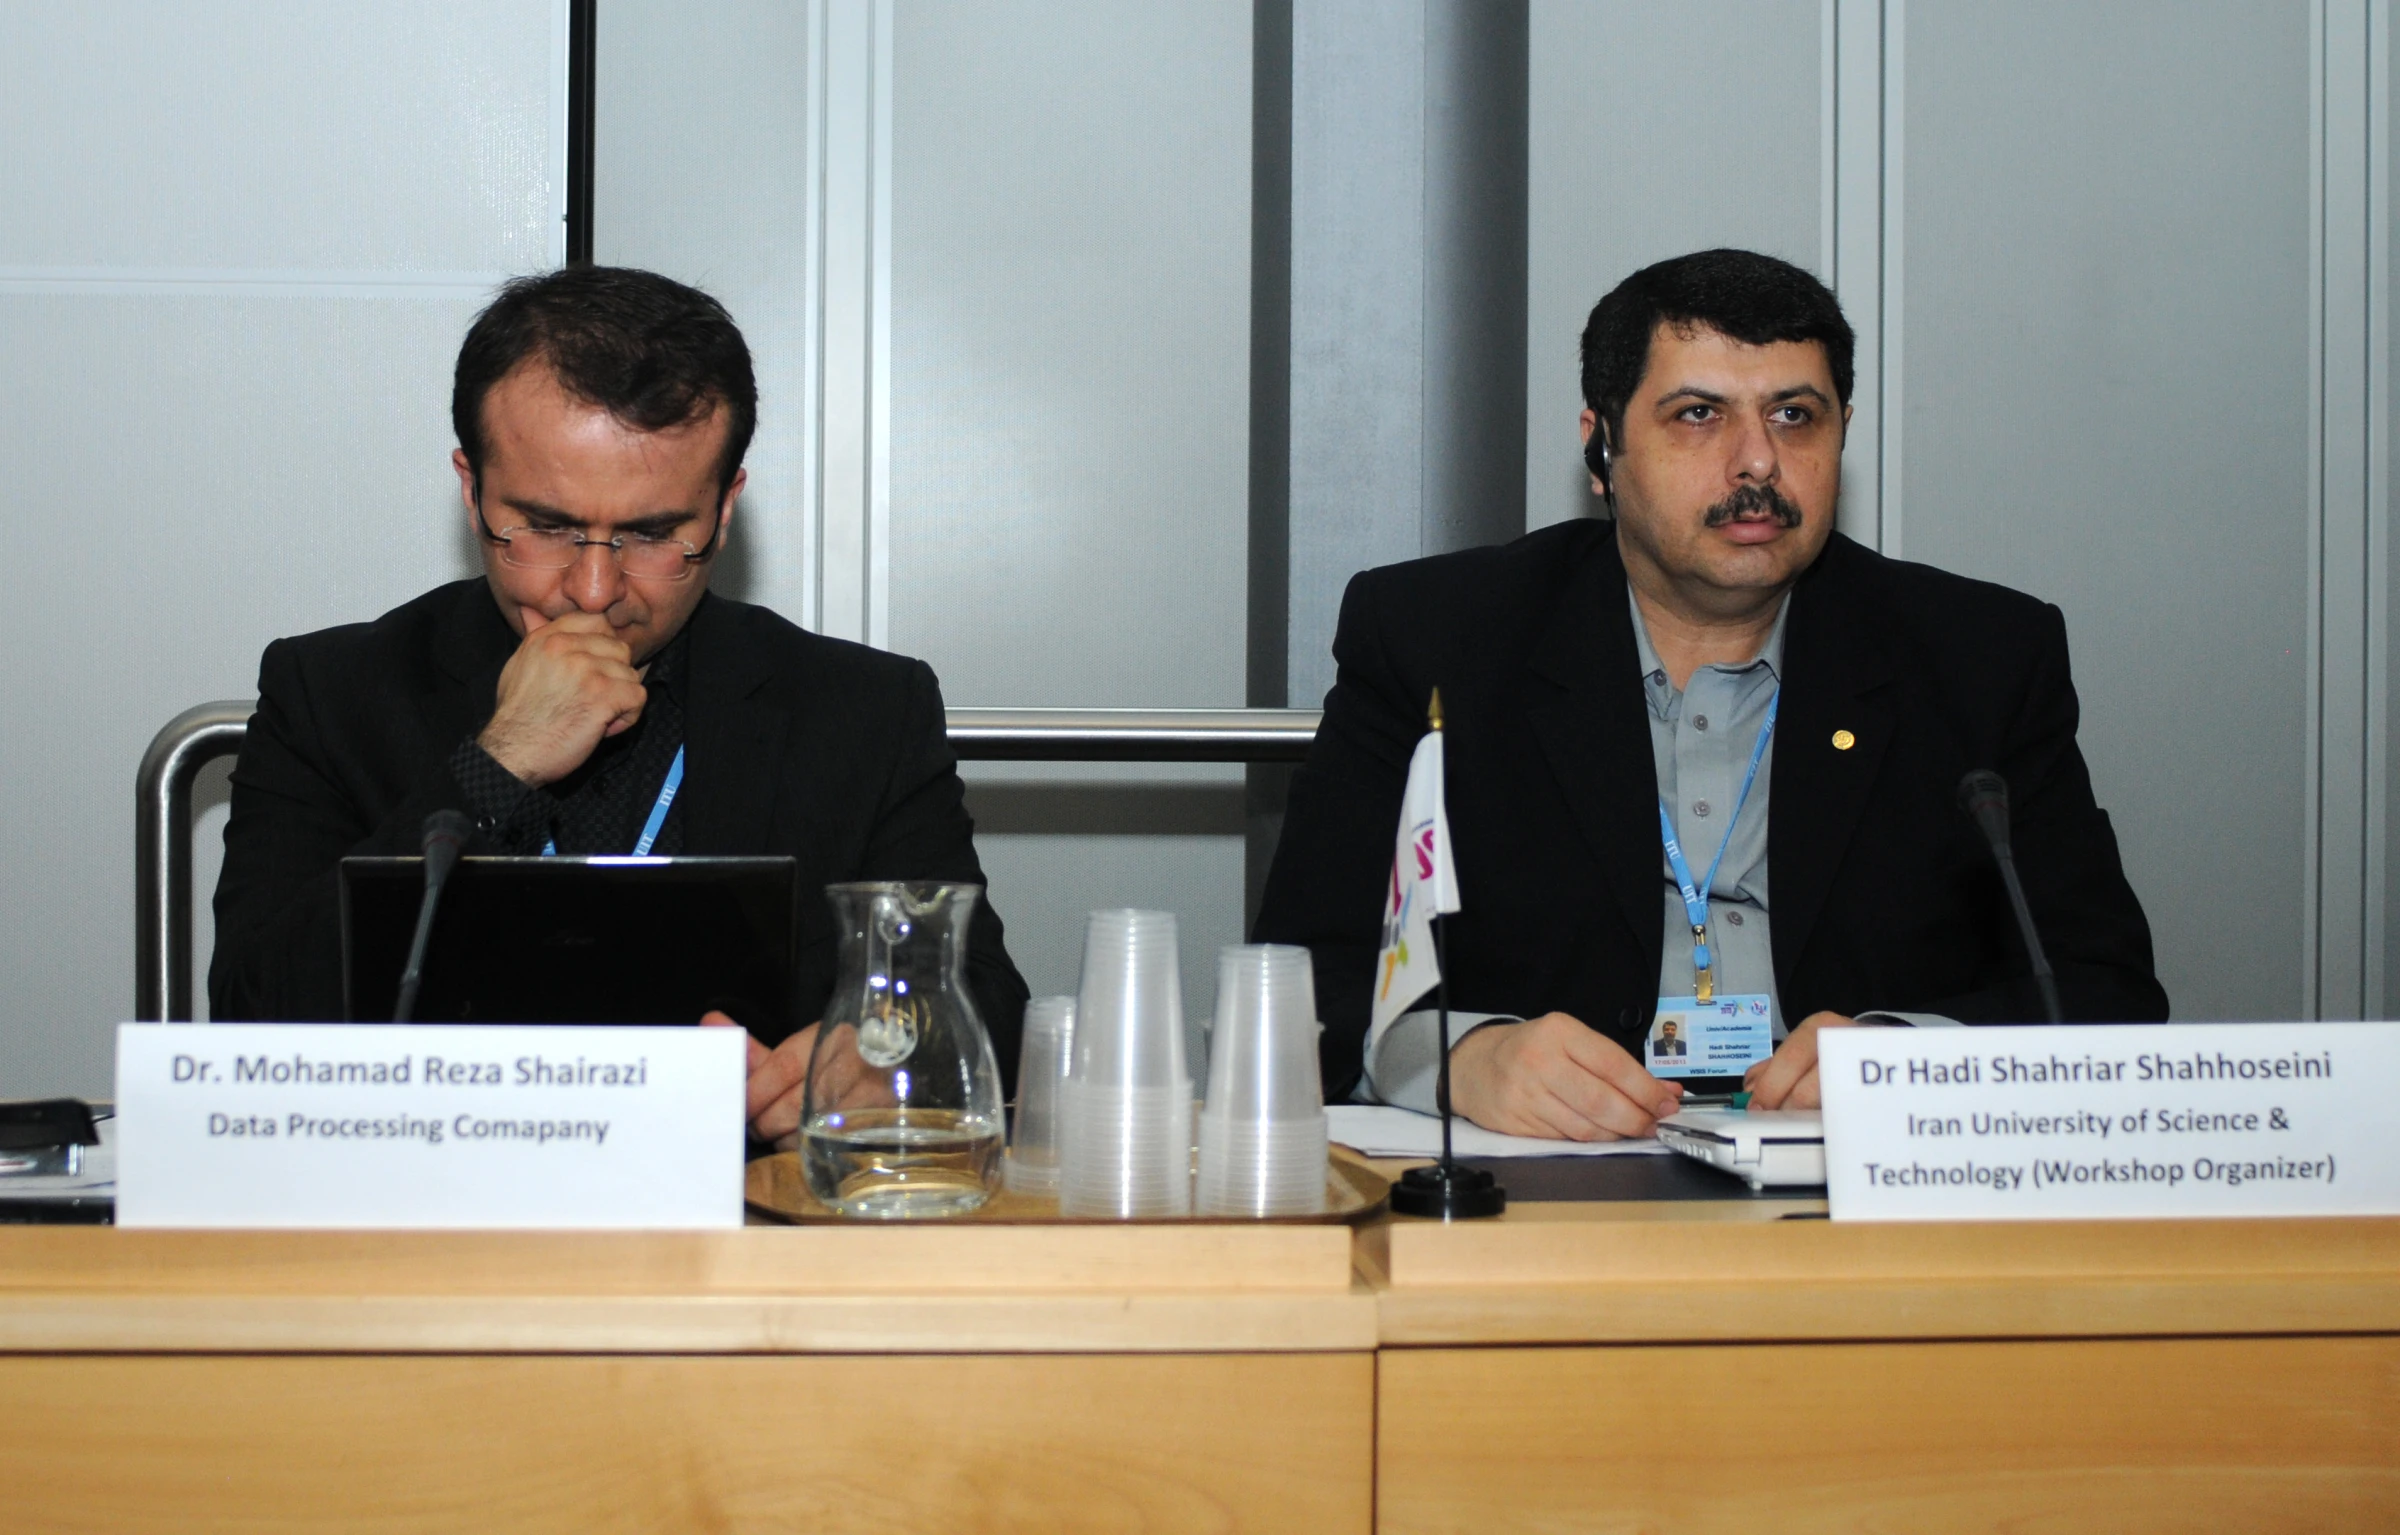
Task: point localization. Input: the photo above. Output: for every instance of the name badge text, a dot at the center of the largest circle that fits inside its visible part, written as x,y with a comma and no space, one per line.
344,1125
2110,1121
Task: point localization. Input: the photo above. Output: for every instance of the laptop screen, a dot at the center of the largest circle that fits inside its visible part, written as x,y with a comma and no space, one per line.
579,940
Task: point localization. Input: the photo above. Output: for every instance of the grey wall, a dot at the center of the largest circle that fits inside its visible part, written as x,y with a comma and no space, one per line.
237,247
2384,274
2106,361
1655,130
1070,376
698,132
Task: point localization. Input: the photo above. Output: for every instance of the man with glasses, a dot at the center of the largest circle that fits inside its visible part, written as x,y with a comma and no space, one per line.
588,695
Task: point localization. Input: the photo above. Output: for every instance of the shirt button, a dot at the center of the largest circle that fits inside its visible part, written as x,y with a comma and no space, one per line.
1658,676
1699,807
1699,722
1734,917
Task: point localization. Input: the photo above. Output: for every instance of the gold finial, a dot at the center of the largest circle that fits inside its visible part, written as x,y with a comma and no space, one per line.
1433,711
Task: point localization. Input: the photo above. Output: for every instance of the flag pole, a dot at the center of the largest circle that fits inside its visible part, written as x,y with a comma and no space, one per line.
1445,1190
1441,1002
1441,959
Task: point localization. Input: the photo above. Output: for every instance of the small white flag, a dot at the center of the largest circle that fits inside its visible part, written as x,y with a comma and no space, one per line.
1423,885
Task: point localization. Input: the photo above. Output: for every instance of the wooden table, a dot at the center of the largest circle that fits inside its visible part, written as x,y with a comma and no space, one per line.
1200,1378
1594,1367
1713,1368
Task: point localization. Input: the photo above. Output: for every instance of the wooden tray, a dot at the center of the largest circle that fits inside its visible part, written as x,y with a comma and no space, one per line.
774,1187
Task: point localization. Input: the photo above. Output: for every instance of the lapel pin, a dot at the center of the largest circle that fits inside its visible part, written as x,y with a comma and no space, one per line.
1843,740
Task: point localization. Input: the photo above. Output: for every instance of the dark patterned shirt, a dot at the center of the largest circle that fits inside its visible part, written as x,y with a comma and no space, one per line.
601,807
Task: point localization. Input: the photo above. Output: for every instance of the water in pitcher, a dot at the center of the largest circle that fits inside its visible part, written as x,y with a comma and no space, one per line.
897,1164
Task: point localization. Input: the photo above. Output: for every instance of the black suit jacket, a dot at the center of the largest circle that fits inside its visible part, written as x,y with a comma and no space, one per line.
1884,894
795,744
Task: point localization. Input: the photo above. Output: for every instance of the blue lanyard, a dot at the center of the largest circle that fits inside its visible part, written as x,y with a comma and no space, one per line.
658,812
1695,898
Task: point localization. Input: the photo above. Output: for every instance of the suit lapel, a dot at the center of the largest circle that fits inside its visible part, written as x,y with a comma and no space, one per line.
1834,725
472,642
1595,735
733,730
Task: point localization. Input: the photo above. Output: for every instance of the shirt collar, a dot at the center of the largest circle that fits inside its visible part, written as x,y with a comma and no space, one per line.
1662,693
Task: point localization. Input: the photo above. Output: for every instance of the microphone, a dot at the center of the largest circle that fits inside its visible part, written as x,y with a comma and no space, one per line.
1983,794
446,831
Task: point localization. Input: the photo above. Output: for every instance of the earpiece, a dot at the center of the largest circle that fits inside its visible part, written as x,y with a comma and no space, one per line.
1595,457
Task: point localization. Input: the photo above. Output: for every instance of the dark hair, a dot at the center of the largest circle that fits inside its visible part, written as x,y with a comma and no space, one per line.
645,348
1742,295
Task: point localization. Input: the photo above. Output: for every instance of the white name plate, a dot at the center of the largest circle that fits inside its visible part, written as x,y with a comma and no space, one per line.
2092,1121
376,1125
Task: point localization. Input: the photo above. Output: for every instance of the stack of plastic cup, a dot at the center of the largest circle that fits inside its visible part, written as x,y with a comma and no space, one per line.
1041,1072
1262,1132
1125,1121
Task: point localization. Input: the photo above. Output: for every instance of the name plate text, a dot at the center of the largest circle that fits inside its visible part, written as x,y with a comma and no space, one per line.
2111,1121
369,1125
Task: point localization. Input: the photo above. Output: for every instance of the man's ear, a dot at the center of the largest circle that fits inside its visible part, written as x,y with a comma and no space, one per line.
466,480
733,493
1589,420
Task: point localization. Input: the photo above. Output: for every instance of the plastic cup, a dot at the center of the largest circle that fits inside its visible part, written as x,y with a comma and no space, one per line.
1262,1133
1262,1167
1129,1010
1041,1072
1262,1061
1125,1142
1124,1153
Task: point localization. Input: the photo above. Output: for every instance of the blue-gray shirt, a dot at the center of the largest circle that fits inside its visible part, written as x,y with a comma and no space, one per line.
1700,741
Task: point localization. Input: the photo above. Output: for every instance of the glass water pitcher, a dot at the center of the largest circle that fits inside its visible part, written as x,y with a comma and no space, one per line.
902,1117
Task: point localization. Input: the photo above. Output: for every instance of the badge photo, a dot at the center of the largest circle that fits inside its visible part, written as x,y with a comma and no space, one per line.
1670,1039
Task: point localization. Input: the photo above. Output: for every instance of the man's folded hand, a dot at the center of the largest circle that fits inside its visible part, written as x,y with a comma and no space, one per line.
571,685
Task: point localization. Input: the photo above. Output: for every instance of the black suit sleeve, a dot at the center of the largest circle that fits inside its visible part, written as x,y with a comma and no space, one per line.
2090,922
922,831
1326,887
278,904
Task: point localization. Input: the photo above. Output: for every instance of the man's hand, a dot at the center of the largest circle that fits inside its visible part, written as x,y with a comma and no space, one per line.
1788,1078
570,686
1555,1078
779,1080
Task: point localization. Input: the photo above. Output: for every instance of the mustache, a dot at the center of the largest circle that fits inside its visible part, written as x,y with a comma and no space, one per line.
1751,499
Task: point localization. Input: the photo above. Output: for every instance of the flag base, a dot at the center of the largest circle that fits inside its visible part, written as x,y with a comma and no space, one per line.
1448,1192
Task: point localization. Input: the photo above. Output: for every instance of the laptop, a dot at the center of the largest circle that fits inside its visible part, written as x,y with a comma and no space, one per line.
579,940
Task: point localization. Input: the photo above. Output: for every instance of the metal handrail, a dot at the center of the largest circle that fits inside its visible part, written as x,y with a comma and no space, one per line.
162,840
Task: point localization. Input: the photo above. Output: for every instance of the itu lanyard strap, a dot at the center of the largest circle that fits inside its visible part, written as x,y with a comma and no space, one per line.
1695,897
658,812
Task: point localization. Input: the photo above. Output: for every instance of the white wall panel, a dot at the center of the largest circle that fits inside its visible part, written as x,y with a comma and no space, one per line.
1070,422
1070,301
238,246
278,135
700,158
2106,403
1656,130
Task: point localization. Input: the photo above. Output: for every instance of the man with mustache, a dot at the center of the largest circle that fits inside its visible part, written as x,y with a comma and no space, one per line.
1642,715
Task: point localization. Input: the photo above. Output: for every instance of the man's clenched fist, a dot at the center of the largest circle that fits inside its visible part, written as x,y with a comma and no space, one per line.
570,686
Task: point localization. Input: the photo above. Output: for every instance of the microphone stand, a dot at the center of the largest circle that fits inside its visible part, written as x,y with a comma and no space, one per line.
446,831
1446,1190
1983,794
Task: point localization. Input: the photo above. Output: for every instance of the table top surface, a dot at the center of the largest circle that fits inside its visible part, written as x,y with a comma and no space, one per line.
1545,1272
